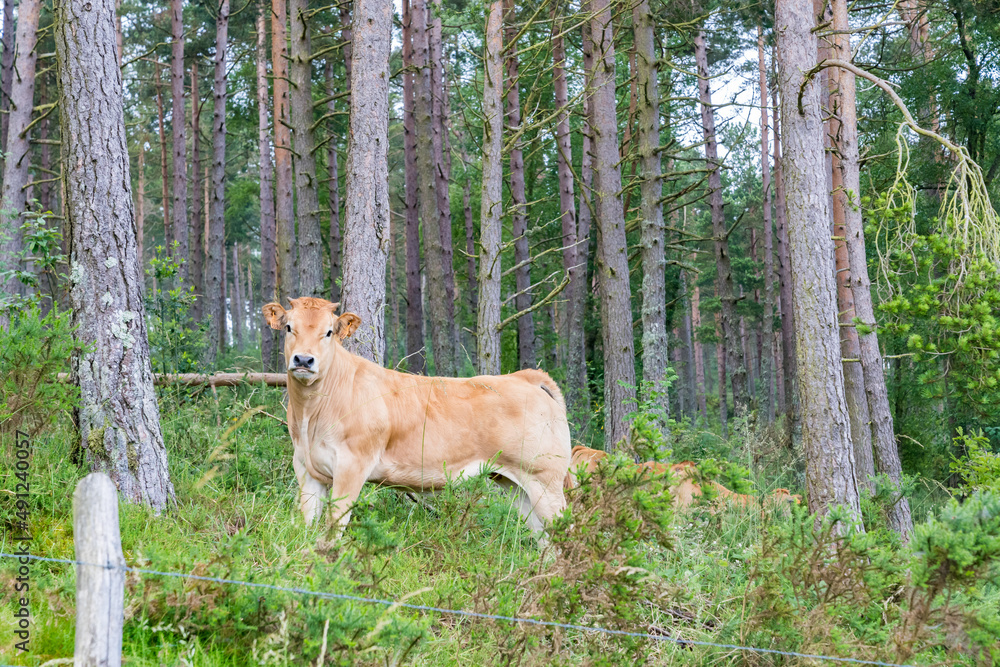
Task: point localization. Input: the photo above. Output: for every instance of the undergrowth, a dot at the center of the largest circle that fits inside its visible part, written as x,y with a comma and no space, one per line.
620,558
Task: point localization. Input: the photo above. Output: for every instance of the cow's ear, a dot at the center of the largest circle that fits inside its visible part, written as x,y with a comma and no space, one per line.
346,325
274,315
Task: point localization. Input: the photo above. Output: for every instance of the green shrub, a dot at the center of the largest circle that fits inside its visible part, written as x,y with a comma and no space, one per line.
34,349
176,341
979,470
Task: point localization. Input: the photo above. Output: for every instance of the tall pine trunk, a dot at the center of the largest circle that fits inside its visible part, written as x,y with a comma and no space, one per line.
196,271
214,240
767,330
789,395
333,188
731,343
441,309
720,367
310,241
886,453
140,203
414,300
118,416
491,203
519,212
574,246
284,201
366,229
612,246
180,186
655,354
237,296
164,171
15,174
268,248
6,70
699,353
830,478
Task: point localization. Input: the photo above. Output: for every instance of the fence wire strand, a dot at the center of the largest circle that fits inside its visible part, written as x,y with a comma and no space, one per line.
458,612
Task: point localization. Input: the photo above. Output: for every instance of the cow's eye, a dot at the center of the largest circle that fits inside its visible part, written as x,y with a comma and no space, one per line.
288,328
329,333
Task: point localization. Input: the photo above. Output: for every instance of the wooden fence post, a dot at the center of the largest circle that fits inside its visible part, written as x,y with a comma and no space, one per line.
100,591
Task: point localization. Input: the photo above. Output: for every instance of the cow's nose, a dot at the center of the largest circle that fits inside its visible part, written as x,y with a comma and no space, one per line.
303,361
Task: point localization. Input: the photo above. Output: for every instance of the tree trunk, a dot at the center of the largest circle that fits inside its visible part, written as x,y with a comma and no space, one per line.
45,154
655,354
268,249
164,172
215,275
196,273
441,309
6,70
886,453
612,246
767,330
488,315
414,300
518,212
284,203
310,241
574,246
720,366
237,292
224,317
333,189
789,373
735,361
180,187
18,147
347,37
442,171
699,353
472,280
366,232
140,203
830,478
118,416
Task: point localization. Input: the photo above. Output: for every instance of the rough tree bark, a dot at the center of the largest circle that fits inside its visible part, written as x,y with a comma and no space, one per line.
442,170
612,246
214,240
366,228
238,307
441,309
699,354
118,416
767,330
15,174
6,69
850,347
488,316
284,202
886,453
268,249
789,395
735,361
720,367
196,235
830,478
333,188
518,212
574,247
414,300
310,241
180,185
655,354
585,208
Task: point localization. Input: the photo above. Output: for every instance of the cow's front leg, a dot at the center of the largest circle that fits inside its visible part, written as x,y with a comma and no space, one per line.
347,483
312,492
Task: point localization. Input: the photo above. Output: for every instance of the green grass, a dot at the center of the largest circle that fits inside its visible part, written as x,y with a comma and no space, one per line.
622,560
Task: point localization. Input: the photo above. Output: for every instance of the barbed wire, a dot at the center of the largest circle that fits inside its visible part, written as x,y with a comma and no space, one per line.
457,612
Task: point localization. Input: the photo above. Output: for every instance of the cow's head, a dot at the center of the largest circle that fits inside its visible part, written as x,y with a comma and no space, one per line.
313,332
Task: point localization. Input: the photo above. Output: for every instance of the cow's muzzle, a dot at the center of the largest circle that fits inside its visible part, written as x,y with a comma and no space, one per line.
303,363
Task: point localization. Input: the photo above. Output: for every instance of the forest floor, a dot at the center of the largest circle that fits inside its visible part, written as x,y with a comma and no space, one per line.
624,561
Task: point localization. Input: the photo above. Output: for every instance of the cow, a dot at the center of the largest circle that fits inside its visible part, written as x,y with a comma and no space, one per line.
353,421
685,487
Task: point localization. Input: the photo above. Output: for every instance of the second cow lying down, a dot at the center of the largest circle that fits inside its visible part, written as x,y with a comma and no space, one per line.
352,421
685,489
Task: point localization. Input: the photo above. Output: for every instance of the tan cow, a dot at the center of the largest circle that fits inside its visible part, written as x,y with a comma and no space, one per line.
352,421
686,488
